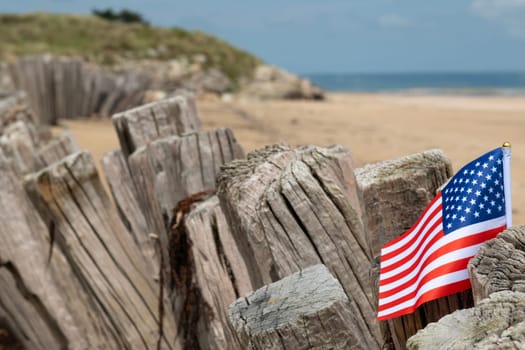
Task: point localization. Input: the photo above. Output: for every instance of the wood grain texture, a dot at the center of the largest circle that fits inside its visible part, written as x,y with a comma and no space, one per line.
7,103
67,87
306,310
41,300
169,174
499,264
128,207
497,322
102,254
171,169
208,276
293,208
395,193
56,149
139,126
18,143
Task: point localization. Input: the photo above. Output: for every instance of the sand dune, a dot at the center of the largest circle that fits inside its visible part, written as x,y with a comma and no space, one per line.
375,127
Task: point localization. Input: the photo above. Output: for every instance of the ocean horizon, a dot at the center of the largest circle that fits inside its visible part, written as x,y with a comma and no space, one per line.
453,83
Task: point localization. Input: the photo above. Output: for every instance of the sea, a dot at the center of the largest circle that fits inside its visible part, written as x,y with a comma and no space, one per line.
457,83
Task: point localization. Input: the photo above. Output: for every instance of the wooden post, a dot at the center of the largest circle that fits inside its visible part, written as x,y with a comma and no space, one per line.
45,304
60,87
12,101
42,312
18,142
306,310
395,193
499,264
197,253
497,322
106,261
126,200
56,149
208,274
290,209
171,169
137,127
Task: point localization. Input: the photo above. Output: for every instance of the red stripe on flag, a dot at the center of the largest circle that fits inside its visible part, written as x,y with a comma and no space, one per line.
435,293
417,249
412,241
460,242
453,266
395,240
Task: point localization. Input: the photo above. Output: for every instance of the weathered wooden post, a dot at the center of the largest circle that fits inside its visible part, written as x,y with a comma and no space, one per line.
293,208
125,197
499,264
173,167
43,303
106,261
306,310
497,322
395,193
139,126
67,87
208,274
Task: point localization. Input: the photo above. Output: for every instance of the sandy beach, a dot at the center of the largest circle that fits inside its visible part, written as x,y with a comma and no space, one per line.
374,126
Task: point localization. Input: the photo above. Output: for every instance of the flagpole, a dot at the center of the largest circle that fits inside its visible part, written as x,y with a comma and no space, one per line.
507,151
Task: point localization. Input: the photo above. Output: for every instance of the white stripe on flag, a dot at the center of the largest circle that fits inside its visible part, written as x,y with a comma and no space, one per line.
414,245
442,260
439,282
463,232
406,239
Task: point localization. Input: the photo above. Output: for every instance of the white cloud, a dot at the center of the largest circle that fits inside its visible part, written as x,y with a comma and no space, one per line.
393,21
509,13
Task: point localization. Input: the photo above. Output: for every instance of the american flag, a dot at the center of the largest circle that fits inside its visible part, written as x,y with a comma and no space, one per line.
429,261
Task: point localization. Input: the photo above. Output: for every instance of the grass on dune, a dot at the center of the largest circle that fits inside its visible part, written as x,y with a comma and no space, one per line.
108,42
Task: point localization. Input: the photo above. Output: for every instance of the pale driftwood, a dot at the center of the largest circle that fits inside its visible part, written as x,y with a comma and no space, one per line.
41,299
34,74
208,275
125,197
171,169
28,146
11,101
499,264
56,149
306,310
139,126
60,87
15,113
106,261
18,143
290,209
497,322
169,174
395,193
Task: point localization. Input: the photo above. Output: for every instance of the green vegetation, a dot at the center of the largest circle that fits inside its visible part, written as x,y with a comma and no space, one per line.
124,16
109,42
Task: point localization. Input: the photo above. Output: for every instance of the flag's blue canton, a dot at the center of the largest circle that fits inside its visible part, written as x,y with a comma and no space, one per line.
475,193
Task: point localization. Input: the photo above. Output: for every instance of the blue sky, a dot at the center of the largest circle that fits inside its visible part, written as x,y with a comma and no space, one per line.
307,36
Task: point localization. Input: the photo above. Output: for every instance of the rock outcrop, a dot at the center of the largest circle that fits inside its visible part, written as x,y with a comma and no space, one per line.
270,82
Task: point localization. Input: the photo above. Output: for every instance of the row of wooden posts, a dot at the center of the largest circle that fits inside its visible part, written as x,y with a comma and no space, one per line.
68,87
195,225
